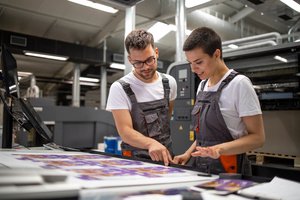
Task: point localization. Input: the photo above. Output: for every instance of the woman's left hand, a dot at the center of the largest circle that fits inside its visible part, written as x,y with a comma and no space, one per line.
212,152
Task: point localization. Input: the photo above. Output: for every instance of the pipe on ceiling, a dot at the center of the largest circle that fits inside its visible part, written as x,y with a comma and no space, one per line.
270,35
254,45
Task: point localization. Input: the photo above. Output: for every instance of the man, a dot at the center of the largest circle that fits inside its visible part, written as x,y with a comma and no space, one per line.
227,115
142,102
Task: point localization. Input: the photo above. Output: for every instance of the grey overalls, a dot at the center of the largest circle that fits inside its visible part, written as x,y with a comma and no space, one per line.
211,129
149,118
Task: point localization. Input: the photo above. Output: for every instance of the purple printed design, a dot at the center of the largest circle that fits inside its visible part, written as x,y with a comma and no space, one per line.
111,171
229,185
89,157
40,156
158,170
58,156
119,162
234,185
98,167
68,163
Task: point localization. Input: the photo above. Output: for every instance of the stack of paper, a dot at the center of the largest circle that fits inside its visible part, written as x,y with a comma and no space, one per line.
278,188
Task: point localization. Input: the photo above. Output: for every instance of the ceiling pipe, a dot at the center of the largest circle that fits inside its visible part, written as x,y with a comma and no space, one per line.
271,35
249,46
293,29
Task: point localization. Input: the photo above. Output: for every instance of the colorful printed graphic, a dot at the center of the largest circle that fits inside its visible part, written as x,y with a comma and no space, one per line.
98,167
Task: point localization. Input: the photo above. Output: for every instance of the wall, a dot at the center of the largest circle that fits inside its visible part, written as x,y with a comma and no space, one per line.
282,132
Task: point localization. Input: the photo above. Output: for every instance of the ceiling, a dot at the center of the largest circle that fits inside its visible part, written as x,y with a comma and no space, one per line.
72,23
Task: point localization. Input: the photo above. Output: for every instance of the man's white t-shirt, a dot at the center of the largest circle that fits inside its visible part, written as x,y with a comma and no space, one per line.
238,99
144,92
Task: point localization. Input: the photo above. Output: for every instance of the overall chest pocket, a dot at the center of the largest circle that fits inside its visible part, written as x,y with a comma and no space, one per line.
198,109
195,117
153,124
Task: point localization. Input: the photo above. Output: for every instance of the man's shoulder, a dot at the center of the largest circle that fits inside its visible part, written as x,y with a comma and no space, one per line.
127,79
166,75
169,77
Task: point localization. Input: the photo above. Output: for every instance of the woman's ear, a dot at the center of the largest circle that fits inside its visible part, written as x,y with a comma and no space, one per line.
156,52
217,53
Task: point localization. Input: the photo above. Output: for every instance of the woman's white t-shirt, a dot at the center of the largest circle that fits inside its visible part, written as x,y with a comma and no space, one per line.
238,99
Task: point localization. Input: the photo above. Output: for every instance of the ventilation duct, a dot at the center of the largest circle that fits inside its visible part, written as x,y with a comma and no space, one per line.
123,3
251,46
271,36
19,43
256,2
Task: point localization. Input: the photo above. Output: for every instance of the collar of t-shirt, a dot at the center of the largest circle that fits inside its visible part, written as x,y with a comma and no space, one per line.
215,87
139,82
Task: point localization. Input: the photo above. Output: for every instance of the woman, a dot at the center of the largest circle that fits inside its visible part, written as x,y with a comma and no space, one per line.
227,117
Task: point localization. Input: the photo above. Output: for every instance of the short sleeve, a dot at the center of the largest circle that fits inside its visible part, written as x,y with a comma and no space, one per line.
117,98
247,102
173,88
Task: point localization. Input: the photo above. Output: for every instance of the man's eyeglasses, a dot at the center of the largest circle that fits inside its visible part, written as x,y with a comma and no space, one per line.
140,64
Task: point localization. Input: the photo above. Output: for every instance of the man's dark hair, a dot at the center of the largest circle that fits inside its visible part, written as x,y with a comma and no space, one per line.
138,39
206,39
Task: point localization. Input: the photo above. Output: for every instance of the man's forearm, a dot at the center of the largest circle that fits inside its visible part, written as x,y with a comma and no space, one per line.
135,138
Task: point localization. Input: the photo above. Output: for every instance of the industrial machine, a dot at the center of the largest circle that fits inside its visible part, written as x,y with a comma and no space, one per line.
187,82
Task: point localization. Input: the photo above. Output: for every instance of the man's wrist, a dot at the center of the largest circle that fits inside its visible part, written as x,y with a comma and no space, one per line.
149,142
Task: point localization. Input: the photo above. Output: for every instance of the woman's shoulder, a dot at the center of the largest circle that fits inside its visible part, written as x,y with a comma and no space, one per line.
241,79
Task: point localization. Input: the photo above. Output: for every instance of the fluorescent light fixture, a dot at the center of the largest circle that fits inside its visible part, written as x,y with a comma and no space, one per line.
117,66
193,3
84,83
159,30
258,87
12,88
233,46
281,59
22,74
97,6
292,4
172,27
298,40
188,32
86,79
48,56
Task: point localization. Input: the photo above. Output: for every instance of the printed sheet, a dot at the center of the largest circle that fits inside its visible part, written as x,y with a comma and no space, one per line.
96,170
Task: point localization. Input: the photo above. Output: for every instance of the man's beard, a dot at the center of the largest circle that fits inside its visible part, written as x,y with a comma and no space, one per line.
149,74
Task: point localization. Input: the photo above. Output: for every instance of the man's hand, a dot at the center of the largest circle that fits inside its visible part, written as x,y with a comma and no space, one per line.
159,152
182,159
212,152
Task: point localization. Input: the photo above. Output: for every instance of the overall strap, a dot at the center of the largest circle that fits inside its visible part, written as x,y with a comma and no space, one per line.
227,80
203,84
166,86
128,91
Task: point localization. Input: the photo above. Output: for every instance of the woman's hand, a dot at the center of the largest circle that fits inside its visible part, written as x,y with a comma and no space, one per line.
181,159
212,152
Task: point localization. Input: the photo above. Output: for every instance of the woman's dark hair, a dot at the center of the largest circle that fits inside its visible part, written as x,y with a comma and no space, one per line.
138,39
204,38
